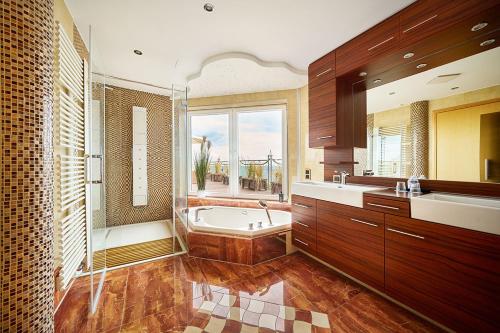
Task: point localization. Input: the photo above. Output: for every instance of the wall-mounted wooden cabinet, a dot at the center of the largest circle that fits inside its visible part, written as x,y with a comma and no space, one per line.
322,102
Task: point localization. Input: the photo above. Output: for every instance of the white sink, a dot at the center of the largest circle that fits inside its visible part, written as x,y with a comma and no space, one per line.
481,214
351,195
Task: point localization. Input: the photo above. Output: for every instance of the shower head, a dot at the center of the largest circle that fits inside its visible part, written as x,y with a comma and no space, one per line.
263,204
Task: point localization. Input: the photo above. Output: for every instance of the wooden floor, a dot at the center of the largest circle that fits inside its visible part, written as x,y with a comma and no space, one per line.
122,255
183,293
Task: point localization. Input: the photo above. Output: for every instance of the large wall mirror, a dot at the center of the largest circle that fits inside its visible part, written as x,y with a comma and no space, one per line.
442,123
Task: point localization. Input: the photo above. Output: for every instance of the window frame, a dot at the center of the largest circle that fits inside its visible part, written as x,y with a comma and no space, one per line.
233,132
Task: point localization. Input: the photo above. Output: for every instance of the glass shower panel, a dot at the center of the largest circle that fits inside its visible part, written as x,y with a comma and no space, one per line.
180,165
95,197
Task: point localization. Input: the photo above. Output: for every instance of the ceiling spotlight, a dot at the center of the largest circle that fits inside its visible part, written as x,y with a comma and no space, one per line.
392,93
208,7
421,66
454,88
487,42
138,52
408,55
363,74
377,81
479,26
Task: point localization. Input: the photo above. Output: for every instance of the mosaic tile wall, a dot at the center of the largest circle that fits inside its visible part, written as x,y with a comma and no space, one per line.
79,44
119,103
27,256
419,138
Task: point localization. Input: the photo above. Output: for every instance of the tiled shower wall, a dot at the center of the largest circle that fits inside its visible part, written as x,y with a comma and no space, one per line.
119,103
26,254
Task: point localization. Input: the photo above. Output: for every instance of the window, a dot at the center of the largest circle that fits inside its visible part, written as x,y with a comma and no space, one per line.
389,154
247,149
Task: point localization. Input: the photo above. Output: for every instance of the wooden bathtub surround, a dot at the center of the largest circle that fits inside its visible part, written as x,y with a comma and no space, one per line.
230,202
239,250
449,274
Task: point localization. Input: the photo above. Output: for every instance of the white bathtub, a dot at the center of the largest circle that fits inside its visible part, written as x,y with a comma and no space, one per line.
235,220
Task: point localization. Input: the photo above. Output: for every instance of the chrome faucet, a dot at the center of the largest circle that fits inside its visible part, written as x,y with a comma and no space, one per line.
263,204
343,176
197,211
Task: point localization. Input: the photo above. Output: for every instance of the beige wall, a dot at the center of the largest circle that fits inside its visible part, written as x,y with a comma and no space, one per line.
455,133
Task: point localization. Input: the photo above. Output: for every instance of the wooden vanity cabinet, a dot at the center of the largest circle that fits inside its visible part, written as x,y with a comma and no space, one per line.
352,239
322,102
450,274
304,223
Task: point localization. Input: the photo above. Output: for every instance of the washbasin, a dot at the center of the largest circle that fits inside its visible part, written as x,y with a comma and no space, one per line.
475,213
351,195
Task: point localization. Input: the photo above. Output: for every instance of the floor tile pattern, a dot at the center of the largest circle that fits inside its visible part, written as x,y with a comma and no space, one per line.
173,294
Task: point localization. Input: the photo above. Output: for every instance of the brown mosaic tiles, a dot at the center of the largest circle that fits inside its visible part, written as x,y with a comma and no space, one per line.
119,103
27,255
172,294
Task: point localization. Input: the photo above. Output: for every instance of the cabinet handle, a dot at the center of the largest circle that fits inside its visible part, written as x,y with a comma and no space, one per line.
301,205
405,233
367,223
301,242
381,206
324,137
419,24
382,42
302,224
324,72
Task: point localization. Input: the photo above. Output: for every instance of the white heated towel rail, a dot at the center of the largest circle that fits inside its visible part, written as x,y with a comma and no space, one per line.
69,149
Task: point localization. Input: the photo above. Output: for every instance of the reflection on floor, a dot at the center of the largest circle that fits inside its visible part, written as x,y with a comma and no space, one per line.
171,294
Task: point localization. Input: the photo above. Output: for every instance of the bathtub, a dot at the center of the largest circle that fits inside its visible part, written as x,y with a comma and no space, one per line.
236,220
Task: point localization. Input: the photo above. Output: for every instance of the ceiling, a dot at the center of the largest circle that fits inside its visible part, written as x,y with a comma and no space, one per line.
476,72
177,37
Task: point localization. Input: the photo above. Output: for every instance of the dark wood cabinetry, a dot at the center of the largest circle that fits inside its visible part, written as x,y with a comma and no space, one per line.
322,102
449,274
352,239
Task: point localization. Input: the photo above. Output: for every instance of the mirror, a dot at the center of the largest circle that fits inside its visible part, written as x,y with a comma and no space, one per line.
443,123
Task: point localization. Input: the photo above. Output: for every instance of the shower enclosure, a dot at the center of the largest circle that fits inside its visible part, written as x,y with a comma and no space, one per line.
136,173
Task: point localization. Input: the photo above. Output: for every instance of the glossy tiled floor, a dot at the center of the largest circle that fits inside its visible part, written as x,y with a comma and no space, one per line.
166,295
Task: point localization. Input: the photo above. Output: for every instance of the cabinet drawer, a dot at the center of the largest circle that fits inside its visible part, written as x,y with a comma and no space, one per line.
377,41
388,206
305,220
322,70
304,240
304,206
352,245
359,214
447,273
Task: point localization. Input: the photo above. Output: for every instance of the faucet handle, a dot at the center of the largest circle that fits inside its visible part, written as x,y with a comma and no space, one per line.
250,225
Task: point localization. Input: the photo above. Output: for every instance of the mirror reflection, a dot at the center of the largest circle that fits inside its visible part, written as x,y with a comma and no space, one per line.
443,123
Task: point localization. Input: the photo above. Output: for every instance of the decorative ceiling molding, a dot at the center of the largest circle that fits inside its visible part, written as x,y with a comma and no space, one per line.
245,56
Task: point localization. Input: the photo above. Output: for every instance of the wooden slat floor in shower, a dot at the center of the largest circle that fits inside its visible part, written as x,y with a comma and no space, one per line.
128,254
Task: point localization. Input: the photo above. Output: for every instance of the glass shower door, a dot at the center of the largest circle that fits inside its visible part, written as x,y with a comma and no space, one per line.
180,166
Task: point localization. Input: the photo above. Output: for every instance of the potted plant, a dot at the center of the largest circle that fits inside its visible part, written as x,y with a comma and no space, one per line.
202,165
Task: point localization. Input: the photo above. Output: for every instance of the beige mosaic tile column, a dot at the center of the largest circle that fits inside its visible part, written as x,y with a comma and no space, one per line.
27,273
419,138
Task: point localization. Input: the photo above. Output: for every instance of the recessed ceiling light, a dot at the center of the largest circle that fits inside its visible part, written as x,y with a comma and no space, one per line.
421,66
454,88
392,93
408,55
138,52
487,42
363,74
479,26
376,81
208,7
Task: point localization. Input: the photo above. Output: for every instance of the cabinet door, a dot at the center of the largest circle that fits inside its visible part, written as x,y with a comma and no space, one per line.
376,42
322,70
354,242
322,115
450,274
